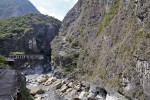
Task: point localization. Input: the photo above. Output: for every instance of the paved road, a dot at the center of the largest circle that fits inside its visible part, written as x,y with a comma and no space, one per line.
8,83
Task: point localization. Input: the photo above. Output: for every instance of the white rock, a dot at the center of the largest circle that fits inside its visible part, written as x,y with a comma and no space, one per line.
115,96
50,75
83,95
57,84
50,81
76,98
45,95
99,97
37,95
63,81
69,90
42,79
38,98
73,92
36,90
91,96
64,88
70,95
77,87
70,84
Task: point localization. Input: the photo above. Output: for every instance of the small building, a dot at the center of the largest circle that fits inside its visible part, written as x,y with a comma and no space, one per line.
10,61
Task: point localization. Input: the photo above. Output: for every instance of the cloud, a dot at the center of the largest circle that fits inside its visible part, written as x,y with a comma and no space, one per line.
55,8
70,1
51,12
66,0
75,1
42,10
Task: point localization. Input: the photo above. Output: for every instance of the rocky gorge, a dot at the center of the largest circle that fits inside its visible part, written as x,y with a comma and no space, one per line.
26,37
107,42
48,87
100,51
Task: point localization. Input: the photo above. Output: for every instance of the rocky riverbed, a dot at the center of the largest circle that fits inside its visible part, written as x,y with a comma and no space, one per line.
48,87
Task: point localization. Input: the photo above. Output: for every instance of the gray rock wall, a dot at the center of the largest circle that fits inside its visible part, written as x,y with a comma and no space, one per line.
36,41
100,40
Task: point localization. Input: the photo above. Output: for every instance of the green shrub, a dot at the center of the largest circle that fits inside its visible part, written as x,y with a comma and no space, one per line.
109,16
69,40
24,93
85,52
23,24
17,53
139,32
70,67
3,62
27,30
15,25
2,59
147,35
70,62
74,43
76,55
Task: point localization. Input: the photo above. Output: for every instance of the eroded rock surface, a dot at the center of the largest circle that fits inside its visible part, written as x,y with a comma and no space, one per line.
66,89
102,41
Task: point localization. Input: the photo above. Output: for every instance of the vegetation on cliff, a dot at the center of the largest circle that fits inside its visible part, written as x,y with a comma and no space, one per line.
2,60
21,25
112,37
30,33
113,10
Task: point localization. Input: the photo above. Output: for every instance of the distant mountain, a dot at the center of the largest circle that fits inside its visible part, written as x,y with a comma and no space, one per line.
11,8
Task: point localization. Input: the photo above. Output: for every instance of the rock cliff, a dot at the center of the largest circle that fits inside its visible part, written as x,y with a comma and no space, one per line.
12,8
108,43
31,33
28,37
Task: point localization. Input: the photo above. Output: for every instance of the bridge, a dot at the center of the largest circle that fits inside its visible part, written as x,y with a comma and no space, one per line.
25,56
12,58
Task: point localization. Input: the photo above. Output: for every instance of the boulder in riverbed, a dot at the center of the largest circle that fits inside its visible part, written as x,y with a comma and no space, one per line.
36,90
42,79
50,81
57,84
64,88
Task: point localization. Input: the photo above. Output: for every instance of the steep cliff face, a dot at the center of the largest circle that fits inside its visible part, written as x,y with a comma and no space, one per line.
13,85
108,42
31,33
11,8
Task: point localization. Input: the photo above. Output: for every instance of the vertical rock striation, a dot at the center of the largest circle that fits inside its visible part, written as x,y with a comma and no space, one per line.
107,42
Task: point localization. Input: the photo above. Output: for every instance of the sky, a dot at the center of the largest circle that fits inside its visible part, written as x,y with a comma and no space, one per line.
55,8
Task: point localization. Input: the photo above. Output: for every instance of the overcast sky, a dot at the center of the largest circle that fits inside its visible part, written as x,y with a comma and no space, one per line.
55,8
